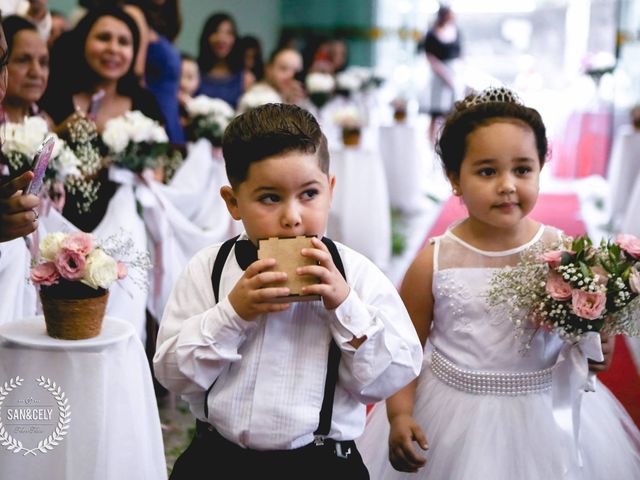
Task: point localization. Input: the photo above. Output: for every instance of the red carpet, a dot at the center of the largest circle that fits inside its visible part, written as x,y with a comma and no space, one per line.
563,211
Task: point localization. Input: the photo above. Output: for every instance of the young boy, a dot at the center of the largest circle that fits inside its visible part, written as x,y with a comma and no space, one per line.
274,405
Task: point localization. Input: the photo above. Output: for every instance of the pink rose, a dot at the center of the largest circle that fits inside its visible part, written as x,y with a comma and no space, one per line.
634,280
629,243
557,288
554,257
70,264
589,305
45,274
122,270
79,242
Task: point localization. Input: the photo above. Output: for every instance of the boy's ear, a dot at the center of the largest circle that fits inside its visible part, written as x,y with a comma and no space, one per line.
332,183
229,197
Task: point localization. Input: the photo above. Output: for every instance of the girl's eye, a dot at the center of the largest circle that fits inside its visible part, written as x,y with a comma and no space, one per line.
124,41
523,170
269,198
309,194
486,172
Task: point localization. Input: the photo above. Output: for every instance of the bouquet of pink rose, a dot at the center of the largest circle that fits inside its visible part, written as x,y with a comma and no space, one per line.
70,262
574,288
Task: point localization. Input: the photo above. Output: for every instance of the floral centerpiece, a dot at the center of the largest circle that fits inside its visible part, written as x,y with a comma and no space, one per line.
74,273
208,118
349,119
134,141
348,82
72,163
257,95
574,288
320,87
399,105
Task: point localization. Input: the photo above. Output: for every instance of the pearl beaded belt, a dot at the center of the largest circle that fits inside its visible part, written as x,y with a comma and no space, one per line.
490,383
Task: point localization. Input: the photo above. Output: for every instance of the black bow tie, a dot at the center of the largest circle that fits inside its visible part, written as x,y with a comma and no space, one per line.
246,253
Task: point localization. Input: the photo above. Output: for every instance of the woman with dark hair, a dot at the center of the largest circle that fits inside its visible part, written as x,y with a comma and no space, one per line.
221,67
101,53
252,56
442,46
28,69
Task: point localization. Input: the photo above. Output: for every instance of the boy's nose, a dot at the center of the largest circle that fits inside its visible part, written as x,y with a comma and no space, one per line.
290,217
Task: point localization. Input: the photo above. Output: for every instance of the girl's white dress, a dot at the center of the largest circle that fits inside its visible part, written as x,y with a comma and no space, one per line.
475,430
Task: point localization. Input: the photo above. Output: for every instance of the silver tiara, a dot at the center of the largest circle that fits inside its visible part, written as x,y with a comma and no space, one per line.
494,94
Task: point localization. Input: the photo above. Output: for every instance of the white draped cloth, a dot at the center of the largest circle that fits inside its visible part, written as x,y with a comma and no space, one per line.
360,216
109,406
18,296
623,173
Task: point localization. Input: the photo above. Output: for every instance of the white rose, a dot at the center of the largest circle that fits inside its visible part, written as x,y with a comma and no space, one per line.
348,81
50,245
116,135
101,270
256,96
66,163
320,82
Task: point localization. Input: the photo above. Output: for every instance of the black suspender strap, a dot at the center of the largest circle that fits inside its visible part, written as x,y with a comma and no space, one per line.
333,361
326,412
218,265
216,275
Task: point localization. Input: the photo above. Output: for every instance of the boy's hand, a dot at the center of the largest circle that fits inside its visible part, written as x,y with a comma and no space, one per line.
249,298
17,212
402,453
332,287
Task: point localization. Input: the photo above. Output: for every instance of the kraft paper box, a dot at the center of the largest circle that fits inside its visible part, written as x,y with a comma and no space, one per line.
286,251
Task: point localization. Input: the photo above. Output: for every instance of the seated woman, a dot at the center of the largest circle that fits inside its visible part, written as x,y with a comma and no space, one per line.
221,66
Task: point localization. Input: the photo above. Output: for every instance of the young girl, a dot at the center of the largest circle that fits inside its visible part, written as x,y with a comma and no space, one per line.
480,408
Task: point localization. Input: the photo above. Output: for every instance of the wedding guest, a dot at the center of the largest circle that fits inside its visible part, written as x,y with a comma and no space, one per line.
28,70
101,51
189,83
162,62
251,53
18,218
59,25
221,67
36,11
442,46
280,80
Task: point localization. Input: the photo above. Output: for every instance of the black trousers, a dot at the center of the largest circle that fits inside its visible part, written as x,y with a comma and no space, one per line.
210,454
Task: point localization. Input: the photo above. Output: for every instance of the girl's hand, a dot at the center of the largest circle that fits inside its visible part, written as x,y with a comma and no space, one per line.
608,346
402,453
332,287
251,298
18,216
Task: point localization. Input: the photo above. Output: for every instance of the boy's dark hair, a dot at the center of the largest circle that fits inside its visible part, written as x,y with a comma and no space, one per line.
267,130
467,116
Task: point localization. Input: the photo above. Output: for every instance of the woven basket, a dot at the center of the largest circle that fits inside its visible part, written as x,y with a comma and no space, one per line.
74,319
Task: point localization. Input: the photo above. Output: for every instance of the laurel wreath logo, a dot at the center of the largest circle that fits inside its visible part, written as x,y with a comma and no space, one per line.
62,427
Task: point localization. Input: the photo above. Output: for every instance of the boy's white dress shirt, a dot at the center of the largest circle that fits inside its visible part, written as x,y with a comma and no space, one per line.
270,372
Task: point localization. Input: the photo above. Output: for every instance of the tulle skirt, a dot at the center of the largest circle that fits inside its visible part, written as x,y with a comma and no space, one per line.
505,438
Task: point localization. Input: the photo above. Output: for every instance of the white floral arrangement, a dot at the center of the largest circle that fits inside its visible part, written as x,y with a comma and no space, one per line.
368,78
135,141
256,96
78,257
348,117
320,87
348,82
208,118
70,164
